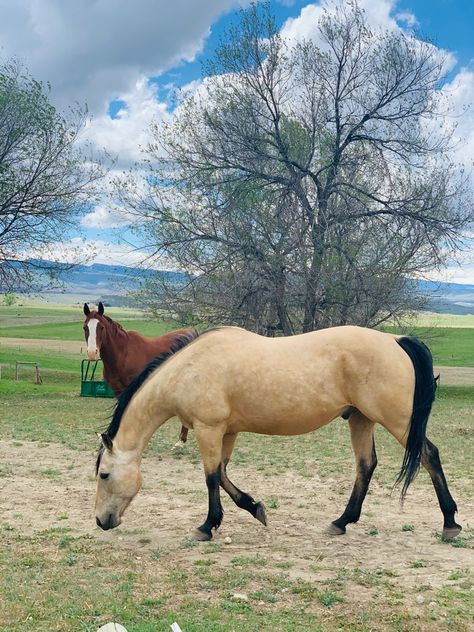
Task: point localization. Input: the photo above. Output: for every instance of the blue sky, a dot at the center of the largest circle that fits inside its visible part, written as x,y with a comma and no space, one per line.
125,59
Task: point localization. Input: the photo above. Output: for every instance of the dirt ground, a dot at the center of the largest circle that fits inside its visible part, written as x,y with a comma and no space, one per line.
46,486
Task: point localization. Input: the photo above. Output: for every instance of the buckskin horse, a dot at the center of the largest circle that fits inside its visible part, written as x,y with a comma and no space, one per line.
229,380
124,353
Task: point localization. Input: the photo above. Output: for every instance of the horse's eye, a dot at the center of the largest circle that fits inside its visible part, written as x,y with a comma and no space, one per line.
104,475
85,327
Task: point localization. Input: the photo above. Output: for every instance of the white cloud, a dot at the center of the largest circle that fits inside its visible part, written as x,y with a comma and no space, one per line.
79,250
460,92
455,274
124,136
95,50
103,216
407,17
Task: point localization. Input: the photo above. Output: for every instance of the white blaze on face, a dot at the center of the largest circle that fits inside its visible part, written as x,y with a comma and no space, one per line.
92,350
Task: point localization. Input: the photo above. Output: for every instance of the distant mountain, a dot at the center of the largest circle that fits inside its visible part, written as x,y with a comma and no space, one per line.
111,283
449,298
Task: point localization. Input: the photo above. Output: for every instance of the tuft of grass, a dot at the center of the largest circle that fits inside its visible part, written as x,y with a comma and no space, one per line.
248,560
418,564
408,527
205,562
329,598
272,503
263,596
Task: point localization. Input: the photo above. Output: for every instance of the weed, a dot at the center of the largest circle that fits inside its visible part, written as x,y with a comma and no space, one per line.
273,503
329,599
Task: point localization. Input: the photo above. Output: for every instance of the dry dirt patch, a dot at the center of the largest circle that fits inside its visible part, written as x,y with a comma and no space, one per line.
47,486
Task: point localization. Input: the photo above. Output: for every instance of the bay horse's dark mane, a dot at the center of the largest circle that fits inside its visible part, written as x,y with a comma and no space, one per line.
115,326
182,340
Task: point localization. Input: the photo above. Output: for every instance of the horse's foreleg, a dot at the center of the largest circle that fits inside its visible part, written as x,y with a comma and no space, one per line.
240,498
430,460
362,436
210,447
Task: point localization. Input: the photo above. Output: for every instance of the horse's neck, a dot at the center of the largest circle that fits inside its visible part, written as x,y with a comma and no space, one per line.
146,412
114,347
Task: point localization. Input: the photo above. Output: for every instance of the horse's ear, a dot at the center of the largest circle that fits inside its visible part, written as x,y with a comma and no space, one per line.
101,309
87,311
106,441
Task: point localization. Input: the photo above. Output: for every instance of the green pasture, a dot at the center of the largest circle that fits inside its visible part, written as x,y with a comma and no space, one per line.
450,337
59,322
59,370
450,346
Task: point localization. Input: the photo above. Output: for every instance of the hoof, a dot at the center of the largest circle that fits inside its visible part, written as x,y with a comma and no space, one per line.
449,533
179,445
261,514
202,536
333,529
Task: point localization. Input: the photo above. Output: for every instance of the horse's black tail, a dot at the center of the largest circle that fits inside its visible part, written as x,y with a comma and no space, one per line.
425,389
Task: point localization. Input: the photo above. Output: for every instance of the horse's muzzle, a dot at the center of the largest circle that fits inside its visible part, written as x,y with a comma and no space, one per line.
93,354
110,522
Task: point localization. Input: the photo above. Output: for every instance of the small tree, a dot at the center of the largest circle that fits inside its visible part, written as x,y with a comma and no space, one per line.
9,299
45,181
304,184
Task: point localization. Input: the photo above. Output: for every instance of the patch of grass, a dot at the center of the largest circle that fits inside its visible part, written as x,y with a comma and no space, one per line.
263,596
272,503
329,599
408,527
284,565
205,562
212,547
418,564
247,560
50,472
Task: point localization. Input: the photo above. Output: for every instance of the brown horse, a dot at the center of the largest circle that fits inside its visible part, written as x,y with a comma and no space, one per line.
230,380
125,353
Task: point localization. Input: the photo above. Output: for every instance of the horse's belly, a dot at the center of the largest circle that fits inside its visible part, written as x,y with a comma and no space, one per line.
285,426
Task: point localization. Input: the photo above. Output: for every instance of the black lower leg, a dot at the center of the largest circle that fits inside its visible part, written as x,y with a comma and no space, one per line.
242,499
431,461
359,492
215,513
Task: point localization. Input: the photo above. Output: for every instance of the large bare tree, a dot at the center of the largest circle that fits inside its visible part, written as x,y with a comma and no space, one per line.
304,184
45,180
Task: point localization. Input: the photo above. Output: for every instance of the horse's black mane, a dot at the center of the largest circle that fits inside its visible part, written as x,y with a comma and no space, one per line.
123,401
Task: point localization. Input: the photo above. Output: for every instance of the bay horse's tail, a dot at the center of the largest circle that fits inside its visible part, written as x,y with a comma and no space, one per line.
425,389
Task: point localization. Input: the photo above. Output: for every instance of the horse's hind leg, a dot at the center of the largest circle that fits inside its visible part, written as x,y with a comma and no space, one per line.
210,447
362,436
183,437
240,498
430,460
